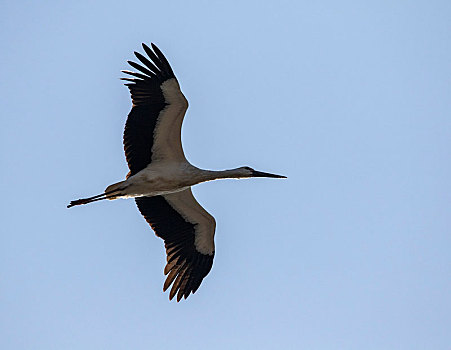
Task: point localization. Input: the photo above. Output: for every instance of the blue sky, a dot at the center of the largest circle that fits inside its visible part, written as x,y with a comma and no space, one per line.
349,99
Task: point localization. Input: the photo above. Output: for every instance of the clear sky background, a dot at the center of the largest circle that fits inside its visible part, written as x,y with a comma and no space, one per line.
349,99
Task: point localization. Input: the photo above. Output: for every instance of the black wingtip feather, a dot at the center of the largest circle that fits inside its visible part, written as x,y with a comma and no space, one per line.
160,55
147,63
141,68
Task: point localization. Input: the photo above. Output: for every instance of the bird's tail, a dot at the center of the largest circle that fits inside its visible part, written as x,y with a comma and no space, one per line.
111,192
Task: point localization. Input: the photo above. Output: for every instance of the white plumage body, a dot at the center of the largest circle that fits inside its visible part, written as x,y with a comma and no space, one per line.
157,179
160,178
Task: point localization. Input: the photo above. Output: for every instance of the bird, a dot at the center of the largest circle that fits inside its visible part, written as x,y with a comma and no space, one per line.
160,177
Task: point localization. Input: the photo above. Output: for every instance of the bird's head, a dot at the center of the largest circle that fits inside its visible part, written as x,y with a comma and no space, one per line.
249,172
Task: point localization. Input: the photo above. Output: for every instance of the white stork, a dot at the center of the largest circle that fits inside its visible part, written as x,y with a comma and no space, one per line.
160,177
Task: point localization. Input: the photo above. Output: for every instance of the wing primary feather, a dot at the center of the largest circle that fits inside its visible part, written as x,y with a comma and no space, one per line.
173,255
169,279
183,281
140,68
168,268
138,75
172,249
163,59
178,280
131,79
174,259
155,59
146,62
187,286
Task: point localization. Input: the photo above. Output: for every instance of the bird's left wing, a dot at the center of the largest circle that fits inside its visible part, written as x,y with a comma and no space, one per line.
188,233
153,128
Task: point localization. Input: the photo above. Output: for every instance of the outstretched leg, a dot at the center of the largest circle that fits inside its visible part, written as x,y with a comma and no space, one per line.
106,195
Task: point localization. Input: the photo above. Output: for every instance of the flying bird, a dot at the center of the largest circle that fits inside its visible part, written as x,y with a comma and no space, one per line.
160,177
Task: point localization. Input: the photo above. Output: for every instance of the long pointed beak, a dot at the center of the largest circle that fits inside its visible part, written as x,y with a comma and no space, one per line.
262,174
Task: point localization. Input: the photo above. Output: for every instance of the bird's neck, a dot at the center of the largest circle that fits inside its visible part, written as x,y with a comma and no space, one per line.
208,175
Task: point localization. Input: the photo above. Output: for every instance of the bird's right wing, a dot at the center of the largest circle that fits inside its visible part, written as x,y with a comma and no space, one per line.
188,233
153,128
